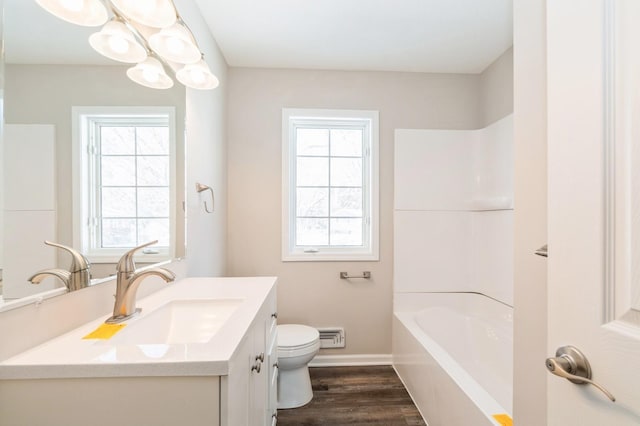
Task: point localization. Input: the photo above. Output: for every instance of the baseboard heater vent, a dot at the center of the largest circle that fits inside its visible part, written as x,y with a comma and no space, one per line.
332,337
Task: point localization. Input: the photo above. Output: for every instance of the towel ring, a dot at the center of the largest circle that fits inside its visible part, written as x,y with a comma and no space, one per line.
200,188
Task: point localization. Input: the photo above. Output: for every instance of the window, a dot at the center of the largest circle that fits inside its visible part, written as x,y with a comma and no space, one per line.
125,188
330,185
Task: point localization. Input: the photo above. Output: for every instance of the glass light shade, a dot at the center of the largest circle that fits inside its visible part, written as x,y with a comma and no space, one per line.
197,76
150,73
152,13
116,41
88,13
176,44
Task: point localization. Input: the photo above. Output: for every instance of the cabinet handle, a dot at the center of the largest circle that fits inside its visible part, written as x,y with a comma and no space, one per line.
256,367
260,357
274,419
274,315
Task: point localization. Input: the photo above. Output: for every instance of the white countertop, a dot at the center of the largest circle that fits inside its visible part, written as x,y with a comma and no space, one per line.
71,356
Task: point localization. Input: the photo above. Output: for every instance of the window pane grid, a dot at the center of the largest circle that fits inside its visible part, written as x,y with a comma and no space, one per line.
311,230
124,231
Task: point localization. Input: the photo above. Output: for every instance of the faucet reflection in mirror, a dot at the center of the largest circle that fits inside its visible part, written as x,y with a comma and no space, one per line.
149,33
75,278
128,281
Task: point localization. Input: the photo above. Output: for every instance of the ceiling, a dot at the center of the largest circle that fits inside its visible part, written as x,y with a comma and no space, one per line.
34,36
457,36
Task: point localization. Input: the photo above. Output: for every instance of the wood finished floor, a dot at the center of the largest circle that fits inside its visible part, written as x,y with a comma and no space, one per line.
354,396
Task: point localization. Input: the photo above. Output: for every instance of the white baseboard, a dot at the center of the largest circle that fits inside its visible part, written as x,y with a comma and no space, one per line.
350,360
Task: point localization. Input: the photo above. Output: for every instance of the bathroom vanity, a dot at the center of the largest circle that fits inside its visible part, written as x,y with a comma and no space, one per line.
201,352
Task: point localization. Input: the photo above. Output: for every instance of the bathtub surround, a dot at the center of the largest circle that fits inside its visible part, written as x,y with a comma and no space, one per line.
454,211
453,271
29,208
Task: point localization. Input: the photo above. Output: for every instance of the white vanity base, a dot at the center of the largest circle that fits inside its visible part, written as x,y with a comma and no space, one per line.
137,378
154,401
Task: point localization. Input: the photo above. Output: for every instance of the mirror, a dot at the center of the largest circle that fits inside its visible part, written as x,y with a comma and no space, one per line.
49,68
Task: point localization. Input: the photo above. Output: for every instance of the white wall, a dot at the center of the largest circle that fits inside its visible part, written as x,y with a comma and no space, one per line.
311,292
530,292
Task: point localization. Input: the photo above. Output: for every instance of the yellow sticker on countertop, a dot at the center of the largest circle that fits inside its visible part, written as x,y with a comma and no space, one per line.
105,331
503,419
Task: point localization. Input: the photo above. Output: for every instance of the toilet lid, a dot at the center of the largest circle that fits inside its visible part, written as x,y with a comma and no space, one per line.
293,335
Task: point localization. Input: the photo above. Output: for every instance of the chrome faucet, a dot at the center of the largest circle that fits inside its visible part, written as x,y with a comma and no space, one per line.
128,282
75,278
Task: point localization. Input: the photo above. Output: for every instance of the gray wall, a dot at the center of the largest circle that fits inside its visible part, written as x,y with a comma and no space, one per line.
311,292
496,88
206,142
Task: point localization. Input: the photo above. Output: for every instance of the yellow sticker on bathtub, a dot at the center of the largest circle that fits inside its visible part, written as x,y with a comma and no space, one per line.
105,331
503,419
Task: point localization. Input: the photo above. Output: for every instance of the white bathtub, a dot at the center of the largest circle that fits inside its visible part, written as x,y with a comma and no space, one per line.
454,353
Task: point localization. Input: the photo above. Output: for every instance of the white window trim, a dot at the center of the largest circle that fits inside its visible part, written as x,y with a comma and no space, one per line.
289,251
80,179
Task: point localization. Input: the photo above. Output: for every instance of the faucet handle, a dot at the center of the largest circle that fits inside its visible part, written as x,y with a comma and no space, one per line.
126,263
78,261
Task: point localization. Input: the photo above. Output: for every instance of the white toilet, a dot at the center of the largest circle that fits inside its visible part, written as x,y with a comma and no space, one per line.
297,345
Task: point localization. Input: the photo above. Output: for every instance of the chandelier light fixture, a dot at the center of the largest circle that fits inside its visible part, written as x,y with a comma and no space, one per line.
148,33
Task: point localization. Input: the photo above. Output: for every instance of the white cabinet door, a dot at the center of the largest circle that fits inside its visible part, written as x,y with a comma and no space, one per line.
272,376
248,397
264,383
235,386
594,205
259,375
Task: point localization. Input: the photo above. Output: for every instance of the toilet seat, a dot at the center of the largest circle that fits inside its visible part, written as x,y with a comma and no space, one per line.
298,350
295,339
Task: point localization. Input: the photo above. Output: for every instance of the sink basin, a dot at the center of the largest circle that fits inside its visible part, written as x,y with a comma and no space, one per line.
178,322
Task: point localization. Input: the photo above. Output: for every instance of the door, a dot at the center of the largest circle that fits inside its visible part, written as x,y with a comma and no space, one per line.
593,53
